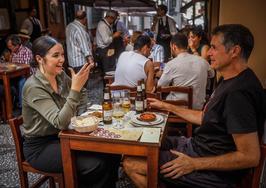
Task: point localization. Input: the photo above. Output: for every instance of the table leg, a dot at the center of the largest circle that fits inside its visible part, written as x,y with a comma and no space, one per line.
8,97
152,172
68,159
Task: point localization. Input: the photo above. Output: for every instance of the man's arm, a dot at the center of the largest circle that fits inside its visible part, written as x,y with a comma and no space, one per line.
149,70
247,155
193,116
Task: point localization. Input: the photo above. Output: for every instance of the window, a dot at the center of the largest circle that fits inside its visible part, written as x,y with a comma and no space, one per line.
194,13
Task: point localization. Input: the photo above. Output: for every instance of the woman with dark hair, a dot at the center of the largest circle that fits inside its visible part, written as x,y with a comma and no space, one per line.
50,99
197,42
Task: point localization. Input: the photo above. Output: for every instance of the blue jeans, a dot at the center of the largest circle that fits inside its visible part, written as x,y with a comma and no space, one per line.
21,83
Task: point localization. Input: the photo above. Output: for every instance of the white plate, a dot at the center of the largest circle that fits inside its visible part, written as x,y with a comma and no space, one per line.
95,107
110,73
135,120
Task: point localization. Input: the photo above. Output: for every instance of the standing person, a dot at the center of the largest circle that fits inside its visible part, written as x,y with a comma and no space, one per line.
104,39
79,47
50,100
165,28
32,25
219,153
157,51
118,42
19,54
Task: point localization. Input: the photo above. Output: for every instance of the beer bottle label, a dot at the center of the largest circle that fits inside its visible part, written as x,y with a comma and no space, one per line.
139,105
107,115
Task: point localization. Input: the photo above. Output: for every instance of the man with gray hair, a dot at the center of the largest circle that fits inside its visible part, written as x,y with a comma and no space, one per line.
79,49
79,46
104,39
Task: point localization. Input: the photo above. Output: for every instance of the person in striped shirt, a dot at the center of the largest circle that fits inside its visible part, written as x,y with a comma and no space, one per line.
79,48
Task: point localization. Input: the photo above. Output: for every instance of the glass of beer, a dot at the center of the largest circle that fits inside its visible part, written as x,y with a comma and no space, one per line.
118,113
126,105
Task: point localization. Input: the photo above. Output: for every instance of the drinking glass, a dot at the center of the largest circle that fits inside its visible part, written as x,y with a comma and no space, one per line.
118,112
126,104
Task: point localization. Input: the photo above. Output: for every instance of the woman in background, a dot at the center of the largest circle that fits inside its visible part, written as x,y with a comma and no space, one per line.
50,99
197,42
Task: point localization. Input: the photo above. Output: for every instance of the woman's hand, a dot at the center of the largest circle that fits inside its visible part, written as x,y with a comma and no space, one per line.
191,45
80,78
180,166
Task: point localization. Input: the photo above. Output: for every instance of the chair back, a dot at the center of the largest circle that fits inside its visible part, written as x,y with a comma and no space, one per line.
164,91
24,166
132,90
256,177
187,103
15,124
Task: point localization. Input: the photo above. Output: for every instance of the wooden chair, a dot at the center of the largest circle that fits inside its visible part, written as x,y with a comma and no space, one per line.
24,167
172,118
3,114
253,178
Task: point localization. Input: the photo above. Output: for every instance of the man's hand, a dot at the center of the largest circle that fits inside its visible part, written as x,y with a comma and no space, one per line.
178,167
117,34
155,103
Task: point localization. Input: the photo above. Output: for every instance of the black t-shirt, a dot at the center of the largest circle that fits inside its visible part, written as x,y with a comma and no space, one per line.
235,107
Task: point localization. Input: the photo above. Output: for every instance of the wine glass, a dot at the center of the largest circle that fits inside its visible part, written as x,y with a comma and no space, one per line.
118,112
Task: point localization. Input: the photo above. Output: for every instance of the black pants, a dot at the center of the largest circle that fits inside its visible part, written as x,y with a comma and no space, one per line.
107,62
199,179
166,47
94,170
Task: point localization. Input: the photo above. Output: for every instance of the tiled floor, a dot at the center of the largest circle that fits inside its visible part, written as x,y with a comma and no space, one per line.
9,177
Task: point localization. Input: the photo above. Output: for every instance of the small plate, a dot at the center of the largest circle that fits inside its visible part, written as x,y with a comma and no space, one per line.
136,122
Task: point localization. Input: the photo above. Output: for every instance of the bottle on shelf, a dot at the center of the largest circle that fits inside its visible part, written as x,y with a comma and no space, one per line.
107,107
144,95
139,103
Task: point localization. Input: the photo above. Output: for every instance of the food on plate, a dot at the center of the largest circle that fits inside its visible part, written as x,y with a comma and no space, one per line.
85,121
147,116
97,114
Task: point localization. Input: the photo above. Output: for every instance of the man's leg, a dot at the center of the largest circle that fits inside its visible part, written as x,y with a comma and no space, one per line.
20,87
136,169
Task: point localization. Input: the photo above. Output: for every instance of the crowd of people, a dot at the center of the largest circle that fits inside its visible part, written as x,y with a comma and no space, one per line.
229,124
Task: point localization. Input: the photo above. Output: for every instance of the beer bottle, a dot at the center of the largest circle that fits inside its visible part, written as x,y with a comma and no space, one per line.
144,95
107,107
139,104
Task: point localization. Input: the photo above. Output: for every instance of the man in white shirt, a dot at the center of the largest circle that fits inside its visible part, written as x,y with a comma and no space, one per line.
165,28
134,65
104,37
185,70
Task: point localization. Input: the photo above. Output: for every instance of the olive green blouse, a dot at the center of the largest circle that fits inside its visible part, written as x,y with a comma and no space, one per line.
44,111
